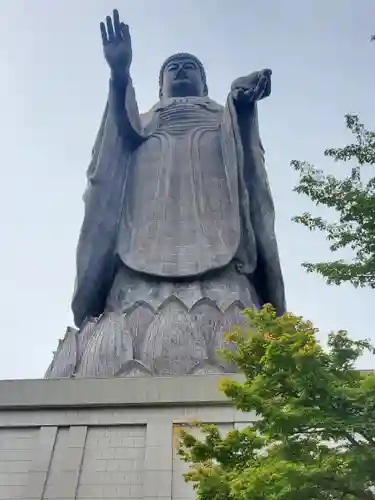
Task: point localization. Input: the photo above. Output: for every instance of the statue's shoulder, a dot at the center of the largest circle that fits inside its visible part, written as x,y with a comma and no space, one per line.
149,120
215,106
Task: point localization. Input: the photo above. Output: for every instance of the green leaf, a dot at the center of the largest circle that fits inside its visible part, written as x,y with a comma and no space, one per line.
352,200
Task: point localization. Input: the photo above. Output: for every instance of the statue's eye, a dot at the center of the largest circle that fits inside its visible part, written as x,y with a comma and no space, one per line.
189,66
172,67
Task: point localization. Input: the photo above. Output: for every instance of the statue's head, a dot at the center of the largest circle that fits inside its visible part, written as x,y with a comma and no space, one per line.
182,75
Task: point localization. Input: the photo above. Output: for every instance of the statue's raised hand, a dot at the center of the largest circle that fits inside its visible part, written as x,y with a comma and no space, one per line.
117,45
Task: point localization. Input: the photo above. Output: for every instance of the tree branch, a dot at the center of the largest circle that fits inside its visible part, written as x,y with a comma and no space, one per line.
351,440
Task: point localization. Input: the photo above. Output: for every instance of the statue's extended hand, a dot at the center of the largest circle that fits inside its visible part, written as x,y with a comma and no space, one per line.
247,91
117,45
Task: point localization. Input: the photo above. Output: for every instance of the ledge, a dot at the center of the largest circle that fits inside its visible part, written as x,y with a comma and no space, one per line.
192,390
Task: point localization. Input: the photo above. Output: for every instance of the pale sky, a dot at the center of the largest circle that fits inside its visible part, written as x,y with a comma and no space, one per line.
53,86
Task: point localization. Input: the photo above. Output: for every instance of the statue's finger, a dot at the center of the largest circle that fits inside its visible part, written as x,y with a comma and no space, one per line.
262,83
261,87
117,24
110,31
125,34
103,32
250,95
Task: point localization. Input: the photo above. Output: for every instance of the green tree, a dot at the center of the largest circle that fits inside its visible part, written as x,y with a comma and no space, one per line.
353,199
315,433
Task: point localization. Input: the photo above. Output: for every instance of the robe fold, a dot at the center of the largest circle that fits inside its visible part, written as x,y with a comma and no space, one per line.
106,239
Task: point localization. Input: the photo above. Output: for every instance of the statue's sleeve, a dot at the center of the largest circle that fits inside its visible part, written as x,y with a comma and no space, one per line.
257,205
106,177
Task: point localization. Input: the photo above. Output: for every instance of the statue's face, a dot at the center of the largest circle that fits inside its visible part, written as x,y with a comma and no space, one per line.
182,78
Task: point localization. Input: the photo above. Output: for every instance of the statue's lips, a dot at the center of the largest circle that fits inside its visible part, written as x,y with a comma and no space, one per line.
181,80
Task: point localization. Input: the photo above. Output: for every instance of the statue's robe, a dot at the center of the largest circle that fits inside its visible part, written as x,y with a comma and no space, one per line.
177,193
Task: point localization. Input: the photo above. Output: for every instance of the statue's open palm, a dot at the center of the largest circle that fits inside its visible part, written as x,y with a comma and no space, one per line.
116,43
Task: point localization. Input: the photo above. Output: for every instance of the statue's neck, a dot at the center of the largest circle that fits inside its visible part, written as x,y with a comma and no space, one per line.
183,92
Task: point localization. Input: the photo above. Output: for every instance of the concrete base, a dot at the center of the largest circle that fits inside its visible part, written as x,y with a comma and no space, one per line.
103,438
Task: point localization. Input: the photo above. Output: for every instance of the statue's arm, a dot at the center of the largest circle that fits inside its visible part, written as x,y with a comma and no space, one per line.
122,104
118,136
268,278
124,108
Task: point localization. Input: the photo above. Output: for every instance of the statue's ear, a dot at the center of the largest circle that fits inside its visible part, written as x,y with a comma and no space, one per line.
205,89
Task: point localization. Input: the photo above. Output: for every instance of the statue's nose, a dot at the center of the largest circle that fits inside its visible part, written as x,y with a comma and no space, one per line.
181,73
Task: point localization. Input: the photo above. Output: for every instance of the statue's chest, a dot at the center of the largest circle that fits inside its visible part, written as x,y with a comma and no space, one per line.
186,140
182,118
